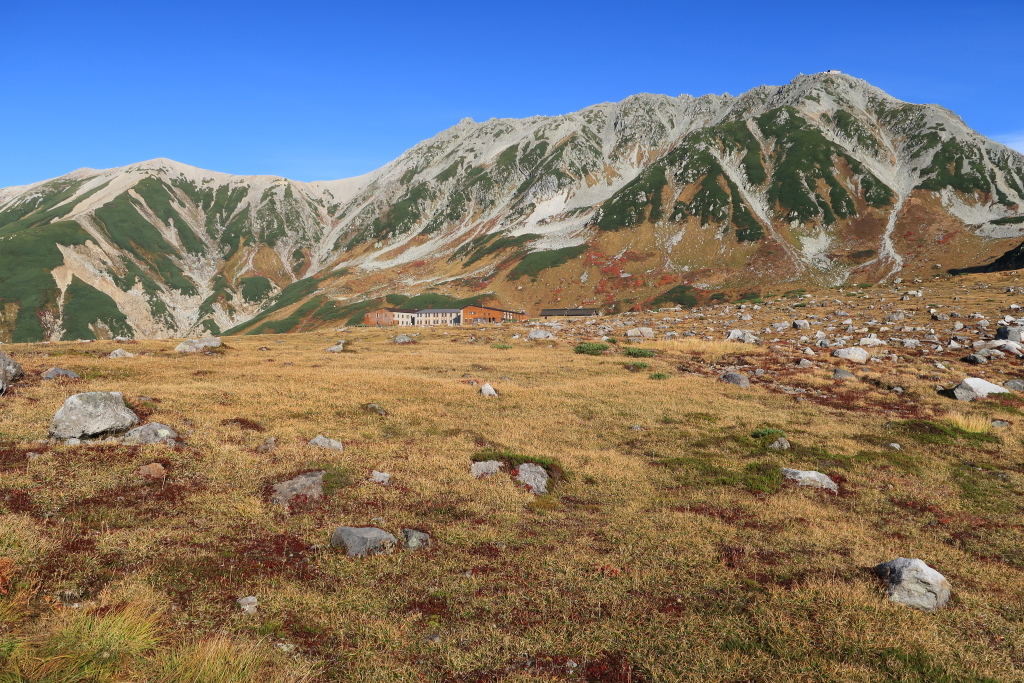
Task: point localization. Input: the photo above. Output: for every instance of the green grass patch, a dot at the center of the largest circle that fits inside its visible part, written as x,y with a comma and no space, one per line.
591,348
659,375
502,347
634,352
762,478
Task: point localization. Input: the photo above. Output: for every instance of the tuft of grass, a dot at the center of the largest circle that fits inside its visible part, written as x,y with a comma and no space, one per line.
972,424
591,348
636,352
86,645
502,346
218,659
939,433
767,432
659,375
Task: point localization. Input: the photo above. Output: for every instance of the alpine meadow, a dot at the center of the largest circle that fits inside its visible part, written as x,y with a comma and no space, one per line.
724,389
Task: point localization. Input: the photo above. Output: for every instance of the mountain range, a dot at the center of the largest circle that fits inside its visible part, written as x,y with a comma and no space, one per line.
654,200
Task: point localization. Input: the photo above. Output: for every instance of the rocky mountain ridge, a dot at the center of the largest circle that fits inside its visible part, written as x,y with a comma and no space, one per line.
652,199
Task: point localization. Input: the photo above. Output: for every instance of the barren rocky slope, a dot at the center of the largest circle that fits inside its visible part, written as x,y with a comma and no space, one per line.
652,199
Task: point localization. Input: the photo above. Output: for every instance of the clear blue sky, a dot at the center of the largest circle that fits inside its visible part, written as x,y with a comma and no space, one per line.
319,90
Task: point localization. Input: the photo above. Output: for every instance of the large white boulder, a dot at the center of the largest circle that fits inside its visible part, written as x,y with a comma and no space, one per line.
854,354
93,413
811,478
913,583
975,387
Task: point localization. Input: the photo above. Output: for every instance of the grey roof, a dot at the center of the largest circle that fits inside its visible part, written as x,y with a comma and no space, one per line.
569,311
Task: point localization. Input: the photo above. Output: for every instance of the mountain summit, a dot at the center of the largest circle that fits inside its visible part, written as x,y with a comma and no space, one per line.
651,199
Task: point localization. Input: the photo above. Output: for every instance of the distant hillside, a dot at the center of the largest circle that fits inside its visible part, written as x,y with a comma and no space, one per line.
652,199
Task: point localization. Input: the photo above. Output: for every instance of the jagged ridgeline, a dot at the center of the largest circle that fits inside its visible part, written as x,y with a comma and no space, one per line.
652,200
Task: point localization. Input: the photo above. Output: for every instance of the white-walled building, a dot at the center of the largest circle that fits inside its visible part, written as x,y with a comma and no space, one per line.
439,316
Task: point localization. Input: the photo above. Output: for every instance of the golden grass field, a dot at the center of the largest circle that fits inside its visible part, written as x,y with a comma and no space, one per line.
669,553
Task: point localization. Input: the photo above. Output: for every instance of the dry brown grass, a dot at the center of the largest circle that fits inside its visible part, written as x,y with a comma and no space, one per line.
975,424
667,554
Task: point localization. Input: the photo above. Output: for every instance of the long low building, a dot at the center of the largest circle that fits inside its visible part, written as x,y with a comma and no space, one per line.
430,317
569,312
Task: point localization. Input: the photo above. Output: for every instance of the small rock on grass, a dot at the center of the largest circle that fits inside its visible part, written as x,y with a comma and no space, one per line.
843,374
309,485
248,604
120,353
737,378
488,390
323,442
154,432
811,478
404,339
267,446
780,444
154,471
374,408
54,373
363,541
485,468
534,477
414,539
381,478
913,583
337,348
1000,424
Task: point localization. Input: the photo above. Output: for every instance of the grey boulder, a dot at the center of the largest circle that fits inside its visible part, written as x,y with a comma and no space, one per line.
534,477
10,369
337,348
485,468
975,387
780,444
1009,333
308,485
363,541
540,334
1014,384
414,539
641,332
154,432
198,345
913,583
404,339
737,378
843,374
93,413
854,354
120,353
488,390
810,478
54,373
323,442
